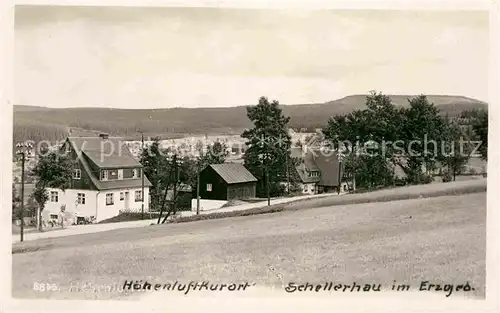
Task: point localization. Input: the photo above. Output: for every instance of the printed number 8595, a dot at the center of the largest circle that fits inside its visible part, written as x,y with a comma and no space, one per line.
45,287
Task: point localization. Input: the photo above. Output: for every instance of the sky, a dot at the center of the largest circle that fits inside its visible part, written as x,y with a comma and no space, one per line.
219,57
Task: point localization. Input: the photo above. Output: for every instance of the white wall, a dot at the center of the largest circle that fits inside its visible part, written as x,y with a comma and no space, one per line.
309,188
95,203
108,211
69,198
206,204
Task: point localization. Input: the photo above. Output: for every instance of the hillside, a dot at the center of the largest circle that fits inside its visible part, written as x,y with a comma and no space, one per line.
52,124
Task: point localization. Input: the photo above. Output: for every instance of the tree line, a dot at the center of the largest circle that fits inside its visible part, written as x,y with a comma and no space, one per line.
428,140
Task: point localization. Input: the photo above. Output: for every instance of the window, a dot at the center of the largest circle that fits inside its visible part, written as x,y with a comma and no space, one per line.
54,216
305,188
77,173
138,195
81,198
122,195
135,173
54,196
120,174
109,199
209,187
104,175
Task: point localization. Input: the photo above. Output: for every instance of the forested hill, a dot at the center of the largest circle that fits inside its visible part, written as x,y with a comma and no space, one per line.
38,123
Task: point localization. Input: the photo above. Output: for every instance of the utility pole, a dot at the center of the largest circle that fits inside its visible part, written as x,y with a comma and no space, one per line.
142,178
23,148
340,170
23,158
267,185
176,179
198,189
287,174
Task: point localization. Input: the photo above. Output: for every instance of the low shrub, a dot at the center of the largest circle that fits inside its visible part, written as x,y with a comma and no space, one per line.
129,217
256,211
447,177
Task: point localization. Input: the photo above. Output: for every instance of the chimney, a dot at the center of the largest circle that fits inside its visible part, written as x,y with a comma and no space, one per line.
103,136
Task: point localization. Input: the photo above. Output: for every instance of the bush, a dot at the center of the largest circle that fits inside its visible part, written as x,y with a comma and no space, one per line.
426,179
446,177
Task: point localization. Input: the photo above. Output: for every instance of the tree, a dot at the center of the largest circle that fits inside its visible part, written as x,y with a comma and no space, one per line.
421,129
180,172
480,128
52,170
215,153
456,150
16,200
156,168
359,130
268,145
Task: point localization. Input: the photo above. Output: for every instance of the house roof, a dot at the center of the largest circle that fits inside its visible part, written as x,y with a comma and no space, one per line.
105,153
328,164
233,173
86,149
322,160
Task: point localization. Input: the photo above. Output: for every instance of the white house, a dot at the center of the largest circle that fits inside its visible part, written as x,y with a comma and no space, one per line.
106,180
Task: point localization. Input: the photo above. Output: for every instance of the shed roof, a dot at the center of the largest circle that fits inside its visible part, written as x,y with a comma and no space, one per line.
233,173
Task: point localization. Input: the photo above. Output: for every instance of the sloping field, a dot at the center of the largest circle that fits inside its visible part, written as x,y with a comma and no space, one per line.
442,240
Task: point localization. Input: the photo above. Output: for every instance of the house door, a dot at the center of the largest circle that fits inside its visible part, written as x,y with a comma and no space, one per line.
127,201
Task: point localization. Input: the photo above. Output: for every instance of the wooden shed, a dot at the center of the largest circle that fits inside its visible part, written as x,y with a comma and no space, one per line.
227,181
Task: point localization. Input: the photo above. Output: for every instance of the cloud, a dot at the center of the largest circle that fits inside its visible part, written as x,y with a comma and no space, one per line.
173,56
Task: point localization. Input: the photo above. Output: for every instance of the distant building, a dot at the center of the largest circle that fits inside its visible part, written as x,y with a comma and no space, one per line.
106,179
227,181
319,170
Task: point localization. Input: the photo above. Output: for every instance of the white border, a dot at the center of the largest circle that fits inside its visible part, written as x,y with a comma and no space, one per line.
491,304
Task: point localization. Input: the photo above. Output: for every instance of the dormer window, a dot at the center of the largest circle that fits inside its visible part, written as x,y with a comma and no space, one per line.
77,173
136,173
314,174
104,175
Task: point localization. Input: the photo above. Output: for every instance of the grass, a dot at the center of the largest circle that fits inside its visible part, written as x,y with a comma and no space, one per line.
440,239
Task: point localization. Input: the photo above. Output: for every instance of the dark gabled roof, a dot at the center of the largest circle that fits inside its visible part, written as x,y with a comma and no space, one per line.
233,173
328,164
85,148
105,153
322,160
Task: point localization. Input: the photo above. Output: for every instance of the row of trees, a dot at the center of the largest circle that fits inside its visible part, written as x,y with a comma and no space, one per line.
415,138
